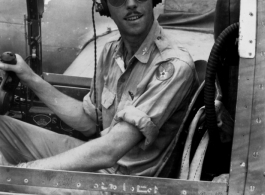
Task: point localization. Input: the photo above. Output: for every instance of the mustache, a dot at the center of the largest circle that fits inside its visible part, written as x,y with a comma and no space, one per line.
131,13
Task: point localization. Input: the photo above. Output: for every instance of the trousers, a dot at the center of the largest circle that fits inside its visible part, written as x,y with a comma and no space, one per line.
23,142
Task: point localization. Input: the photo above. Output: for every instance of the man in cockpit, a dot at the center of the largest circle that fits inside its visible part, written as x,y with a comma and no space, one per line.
144,84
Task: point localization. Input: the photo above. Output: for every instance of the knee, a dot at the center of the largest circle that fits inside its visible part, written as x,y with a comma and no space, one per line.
3,118
5,121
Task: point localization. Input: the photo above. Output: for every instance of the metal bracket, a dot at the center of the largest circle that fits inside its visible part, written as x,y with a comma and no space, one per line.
35,11
247,29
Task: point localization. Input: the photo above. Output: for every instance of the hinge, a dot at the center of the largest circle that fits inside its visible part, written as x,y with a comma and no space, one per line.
247,29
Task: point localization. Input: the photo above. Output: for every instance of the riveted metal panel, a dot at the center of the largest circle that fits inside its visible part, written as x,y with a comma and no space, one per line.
248,156
242,127
255,183
240,149
108,183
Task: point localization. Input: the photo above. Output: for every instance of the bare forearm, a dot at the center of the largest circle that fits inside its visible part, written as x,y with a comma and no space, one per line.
97,154
68,109
91,156
77,159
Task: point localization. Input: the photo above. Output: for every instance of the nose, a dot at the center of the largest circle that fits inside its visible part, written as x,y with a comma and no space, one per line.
131,4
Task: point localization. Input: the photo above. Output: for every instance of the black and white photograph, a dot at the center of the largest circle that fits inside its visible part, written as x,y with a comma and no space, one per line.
133,97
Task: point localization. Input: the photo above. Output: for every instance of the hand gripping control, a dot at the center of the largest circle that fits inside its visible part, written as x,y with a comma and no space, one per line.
8,83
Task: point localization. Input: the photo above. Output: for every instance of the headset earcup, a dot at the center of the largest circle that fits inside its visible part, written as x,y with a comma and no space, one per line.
105,9
155,2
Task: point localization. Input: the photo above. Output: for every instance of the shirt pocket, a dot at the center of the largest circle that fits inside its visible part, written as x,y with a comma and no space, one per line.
108,98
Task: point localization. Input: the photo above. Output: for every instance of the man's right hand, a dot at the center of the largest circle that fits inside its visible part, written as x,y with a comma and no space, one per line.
68,109
22,70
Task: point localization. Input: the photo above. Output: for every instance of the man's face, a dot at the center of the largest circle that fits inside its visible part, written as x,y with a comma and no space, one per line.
133,18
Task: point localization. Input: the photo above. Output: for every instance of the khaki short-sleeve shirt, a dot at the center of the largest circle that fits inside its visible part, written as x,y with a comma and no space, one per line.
152,93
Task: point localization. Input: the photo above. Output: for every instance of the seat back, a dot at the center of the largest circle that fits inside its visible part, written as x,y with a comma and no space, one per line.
171,167
227,12
200,66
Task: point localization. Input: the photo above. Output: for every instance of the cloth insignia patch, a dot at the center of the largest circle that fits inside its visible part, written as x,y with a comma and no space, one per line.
165,71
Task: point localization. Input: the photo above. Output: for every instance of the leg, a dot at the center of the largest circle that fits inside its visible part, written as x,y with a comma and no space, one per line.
22,142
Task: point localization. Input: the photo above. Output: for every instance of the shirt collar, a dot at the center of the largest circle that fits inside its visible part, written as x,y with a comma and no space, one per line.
144,52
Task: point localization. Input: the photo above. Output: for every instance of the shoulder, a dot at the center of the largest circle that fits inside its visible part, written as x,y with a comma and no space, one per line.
181,56
112,41
177,57
177,61
175,68
171,50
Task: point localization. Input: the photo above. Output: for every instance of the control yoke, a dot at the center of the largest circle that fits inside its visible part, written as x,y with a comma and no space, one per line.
8,83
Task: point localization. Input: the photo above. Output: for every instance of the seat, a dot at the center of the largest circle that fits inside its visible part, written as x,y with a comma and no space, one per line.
175,163
200,66
171,167
227,12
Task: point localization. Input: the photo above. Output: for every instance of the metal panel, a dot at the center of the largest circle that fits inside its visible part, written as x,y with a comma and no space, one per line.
6,193
65,28
242,127
248,20
111,183
12,29
248,157
239,160
256,169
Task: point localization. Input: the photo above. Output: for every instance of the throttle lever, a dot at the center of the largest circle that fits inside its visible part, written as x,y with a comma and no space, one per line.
8,82
8,58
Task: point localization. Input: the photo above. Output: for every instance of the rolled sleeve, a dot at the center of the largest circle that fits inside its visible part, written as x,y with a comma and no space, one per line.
89,108
158,101
140,120
161,99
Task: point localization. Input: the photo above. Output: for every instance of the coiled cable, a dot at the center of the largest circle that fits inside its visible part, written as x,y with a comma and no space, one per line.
211,70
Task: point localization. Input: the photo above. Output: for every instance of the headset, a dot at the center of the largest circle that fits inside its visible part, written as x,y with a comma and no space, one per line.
103,10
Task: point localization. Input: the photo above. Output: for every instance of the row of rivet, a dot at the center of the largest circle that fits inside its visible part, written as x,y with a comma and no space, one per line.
78,185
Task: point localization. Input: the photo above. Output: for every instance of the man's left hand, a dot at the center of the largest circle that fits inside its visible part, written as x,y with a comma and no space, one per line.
221,178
